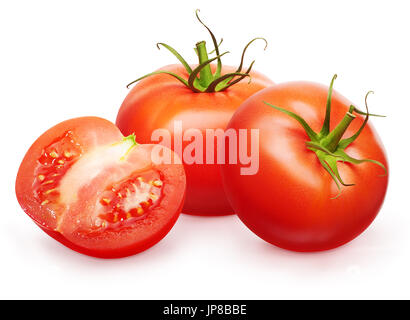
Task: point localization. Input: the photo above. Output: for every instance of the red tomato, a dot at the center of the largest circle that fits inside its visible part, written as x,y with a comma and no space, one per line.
158,101
201,97
293,201
97,192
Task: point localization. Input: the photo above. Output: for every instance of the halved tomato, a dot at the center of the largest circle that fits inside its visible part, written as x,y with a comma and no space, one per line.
97,192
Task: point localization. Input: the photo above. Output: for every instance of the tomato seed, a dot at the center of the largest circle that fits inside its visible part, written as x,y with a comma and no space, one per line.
153,196
157,183
50,191
105,201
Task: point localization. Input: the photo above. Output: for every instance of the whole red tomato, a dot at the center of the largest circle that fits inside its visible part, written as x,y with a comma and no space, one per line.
200,97
97,192
311,193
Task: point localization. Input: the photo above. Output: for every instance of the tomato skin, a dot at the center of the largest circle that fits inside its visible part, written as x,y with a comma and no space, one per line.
158,101
68,223
289,202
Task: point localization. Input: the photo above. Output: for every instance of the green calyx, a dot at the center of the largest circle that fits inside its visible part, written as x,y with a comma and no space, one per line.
329,146
201,79
130,140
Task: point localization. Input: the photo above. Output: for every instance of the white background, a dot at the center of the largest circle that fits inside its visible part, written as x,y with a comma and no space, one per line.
64,59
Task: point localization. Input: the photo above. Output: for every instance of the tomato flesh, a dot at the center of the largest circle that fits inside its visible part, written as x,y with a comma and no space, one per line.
97,192
53,163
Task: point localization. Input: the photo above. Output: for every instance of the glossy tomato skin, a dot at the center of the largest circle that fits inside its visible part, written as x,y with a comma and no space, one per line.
72,223
289,202
158,101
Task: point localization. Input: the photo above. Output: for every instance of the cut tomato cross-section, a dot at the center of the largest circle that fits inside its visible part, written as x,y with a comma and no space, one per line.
97,192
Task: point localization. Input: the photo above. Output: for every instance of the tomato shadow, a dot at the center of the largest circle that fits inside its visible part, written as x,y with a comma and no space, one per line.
224,244
64,257
172,244
362,253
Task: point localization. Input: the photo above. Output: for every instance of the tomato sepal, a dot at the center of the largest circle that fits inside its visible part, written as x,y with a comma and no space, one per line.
329,146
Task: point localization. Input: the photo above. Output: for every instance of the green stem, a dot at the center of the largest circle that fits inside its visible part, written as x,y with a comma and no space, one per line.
331,142
326,123
201,79
205,76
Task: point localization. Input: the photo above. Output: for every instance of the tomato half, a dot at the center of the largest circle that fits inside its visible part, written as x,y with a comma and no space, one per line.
159,101
293,201
97,192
